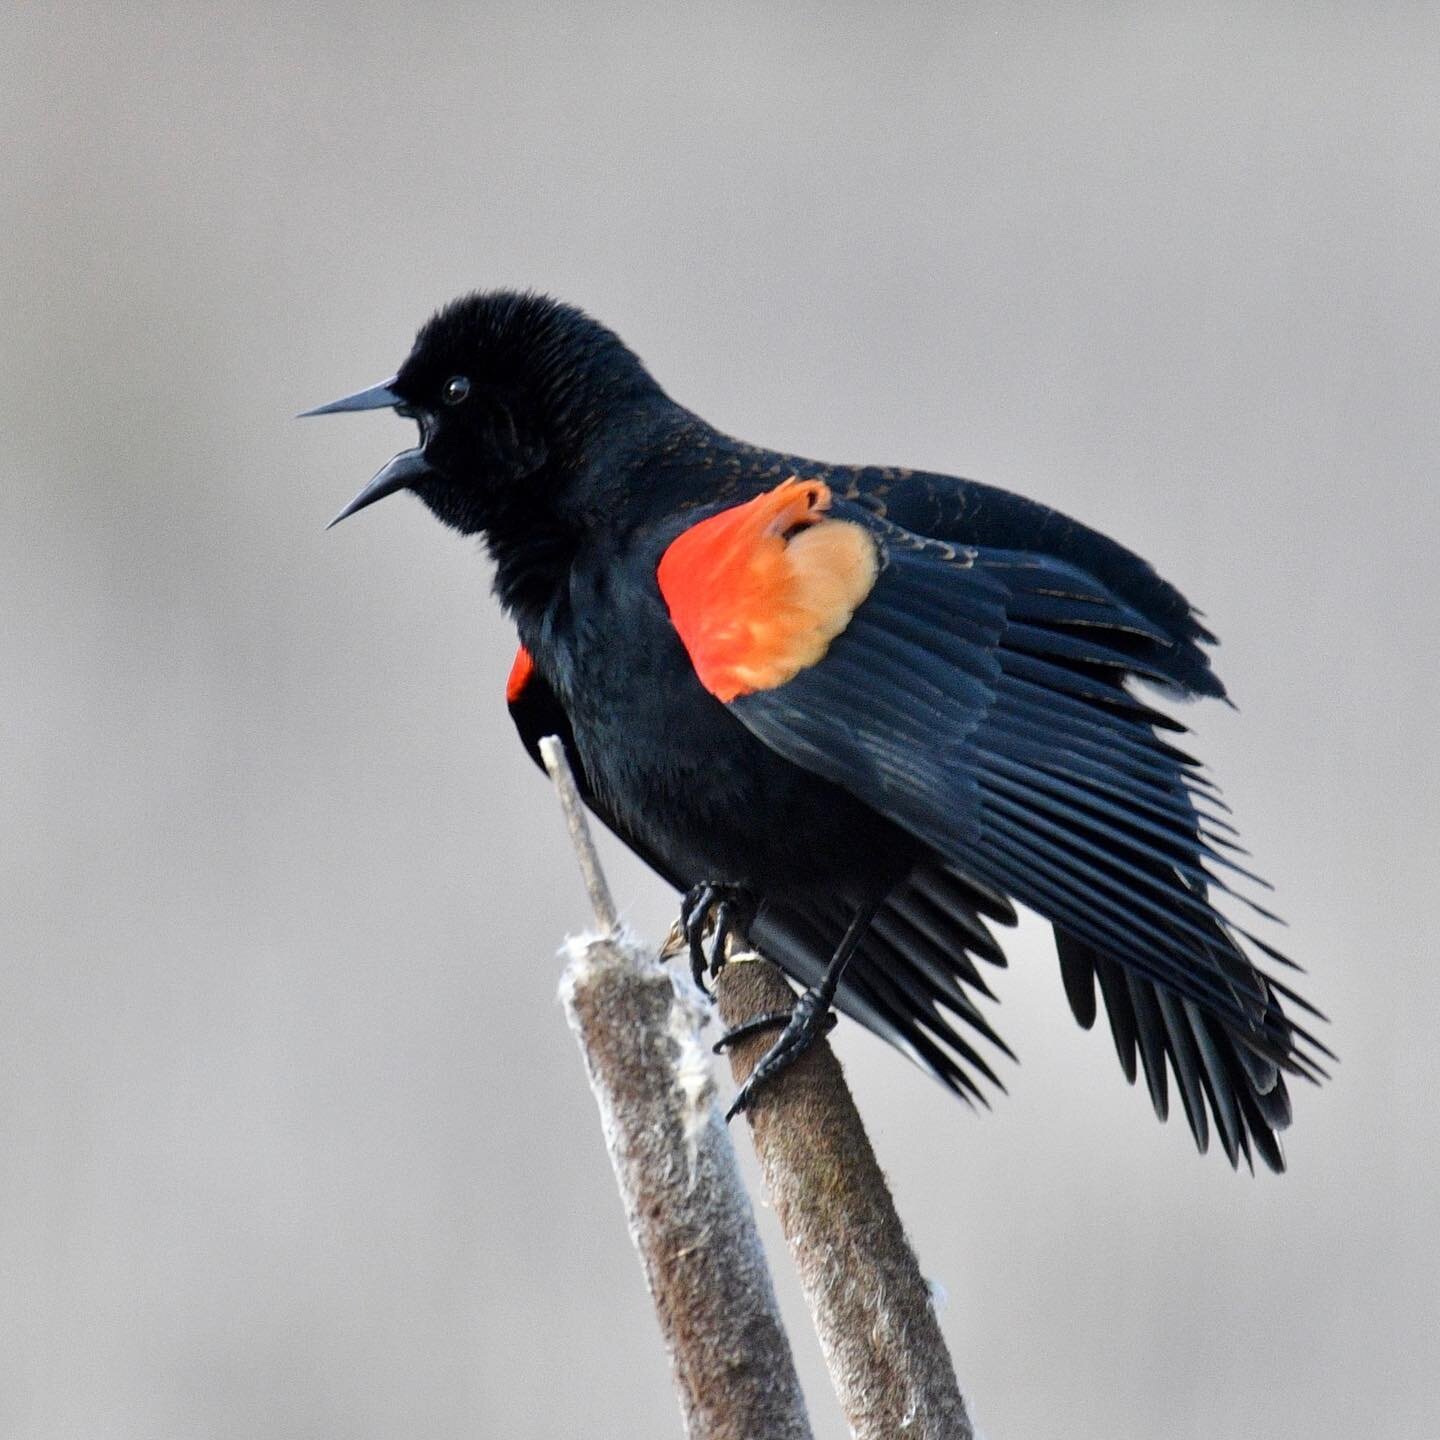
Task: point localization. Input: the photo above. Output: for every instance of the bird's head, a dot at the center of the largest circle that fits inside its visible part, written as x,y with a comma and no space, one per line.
512,392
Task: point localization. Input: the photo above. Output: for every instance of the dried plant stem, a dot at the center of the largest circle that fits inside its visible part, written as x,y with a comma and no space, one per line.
692,1222
552,752
689,1215
871,1306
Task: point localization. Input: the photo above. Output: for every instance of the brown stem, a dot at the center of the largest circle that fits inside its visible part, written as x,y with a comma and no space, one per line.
871,1306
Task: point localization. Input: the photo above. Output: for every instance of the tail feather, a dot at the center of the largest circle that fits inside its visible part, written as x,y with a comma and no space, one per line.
1224,1076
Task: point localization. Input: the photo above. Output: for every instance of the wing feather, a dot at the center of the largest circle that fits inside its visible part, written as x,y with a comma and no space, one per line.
979,698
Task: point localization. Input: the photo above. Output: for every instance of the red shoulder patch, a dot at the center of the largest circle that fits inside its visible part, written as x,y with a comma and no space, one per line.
758,592
520,673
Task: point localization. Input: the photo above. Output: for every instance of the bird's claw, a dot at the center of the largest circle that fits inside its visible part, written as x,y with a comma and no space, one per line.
695,911
770,1021
811,1019
729,909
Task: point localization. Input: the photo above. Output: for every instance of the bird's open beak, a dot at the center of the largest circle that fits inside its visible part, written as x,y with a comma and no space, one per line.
402,473
377,397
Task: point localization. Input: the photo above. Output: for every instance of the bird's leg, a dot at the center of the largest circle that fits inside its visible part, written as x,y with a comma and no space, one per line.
730,907
811,1017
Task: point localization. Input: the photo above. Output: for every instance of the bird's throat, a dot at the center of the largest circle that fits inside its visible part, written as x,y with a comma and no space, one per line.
533,553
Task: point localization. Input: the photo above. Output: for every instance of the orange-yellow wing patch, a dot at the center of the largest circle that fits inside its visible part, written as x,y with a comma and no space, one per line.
758,592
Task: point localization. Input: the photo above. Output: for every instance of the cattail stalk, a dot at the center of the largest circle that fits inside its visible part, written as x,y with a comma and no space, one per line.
686,1205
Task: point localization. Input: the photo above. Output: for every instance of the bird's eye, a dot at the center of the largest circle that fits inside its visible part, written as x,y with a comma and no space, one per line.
457,387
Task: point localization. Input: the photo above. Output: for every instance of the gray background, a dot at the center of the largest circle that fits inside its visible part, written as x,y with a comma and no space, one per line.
293,1140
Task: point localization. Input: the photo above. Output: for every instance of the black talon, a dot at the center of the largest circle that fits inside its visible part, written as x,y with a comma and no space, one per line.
804,1025
751,1027
811,1018
732,918
730,908
694,912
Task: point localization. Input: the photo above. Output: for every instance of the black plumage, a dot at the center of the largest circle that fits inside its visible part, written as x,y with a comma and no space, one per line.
966,733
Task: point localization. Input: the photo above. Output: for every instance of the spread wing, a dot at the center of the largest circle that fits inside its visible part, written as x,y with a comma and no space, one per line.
978,696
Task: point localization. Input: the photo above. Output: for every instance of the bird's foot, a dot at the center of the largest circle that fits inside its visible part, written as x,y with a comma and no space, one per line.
811,1019
729,909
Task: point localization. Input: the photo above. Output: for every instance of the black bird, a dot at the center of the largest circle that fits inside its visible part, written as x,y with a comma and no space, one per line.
855,712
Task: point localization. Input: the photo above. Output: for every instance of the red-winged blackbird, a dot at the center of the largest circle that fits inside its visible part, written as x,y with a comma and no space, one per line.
854,712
